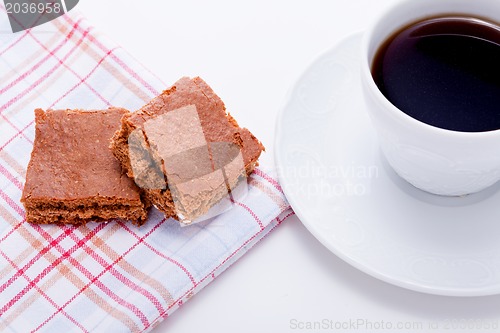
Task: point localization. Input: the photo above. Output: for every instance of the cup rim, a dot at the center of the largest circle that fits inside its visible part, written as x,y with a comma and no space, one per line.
394,110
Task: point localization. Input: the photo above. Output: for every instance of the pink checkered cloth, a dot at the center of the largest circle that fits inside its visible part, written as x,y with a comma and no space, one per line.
110,277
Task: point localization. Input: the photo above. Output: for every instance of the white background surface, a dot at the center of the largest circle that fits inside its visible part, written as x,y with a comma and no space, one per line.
251,53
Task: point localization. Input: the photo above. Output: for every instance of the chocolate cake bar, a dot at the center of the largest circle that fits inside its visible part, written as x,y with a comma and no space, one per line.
184,151
72,176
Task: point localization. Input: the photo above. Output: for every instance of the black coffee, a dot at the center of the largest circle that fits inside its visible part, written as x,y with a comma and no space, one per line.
445,72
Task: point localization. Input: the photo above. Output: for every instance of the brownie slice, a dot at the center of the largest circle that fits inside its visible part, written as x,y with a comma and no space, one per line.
185,151
72,176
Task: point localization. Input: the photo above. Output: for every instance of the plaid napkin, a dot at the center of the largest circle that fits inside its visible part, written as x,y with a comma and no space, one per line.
110,277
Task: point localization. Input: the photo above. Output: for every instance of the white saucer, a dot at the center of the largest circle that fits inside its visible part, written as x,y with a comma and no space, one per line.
344,192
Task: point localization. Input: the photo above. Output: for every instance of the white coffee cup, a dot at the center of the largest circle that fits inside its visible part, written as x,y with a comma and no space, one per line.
433,159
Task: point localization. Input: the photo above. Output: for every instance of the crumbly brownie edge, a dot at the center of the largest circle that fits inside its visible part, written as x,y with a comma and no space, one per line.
39,118
162,199
47,214
70,204
119,145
